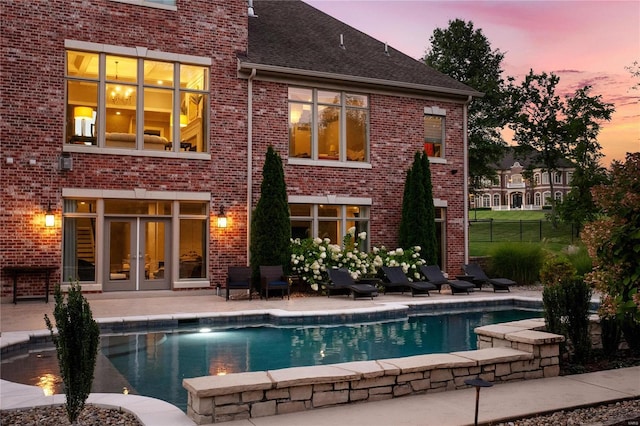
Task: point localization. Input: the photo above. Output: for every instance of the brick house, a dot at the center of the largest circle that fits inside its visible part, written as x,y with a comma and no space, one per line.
140,123
522,183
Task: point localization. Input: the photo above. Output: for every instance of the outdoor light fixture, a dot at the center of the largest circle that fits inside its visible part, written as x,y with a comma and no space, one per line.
222,218
477,383
49,218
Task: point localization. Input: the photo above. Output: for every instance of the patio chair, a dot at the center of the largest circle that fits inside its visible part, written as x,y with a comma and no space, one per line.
238,278
273,278
434,275
341,282
396,279
479,278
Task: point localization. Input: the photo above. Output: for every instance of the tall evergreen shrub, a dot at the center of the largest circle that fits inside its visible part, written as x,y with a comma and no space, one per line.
417,225
566,299
76,344
271,225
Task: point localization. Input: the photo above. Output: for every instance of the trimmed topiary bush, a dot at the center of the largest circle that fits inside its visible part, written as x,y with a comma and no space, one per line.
76,342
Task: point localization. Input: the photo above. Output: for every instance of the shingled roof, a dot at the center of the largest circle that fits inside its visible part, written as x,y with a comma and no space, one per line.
292,37
527,157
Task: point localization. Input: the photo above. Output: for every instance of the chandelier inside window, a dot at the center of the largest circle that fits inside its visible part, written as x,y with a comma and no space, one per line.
118,95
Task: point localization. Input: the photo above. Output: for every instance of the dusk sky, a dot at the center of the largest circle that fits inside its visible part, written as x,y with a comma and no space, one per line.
582,42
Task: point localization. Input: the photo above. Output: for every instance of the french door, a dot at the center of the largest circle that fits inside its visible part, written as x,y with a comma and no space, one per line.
137,255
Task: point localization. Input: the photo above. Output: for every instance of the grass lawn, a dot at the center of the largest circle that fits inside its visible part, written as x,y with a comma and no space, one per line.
527,227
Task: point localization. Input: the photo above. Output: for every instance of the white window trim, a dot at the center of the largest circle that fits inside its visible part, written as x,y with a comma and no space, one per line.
329,199
148,4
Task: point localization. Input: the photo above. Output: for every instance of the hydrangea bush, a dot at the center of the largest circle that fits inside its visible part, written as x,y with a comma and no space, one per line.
311,258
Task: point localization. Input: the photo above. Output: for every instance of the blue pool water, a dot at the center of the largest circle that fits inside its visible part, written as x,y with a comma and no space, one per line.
155,363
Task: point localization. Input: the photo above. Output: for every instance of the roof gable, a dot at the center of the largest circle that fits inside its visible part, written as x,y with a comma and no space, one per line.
292,35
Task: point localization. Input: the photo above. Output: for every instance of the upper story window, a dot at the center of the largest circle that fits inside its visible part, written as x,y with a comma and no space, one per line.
545,178
536,179
569,177
557,177
136,103
434,121
328,125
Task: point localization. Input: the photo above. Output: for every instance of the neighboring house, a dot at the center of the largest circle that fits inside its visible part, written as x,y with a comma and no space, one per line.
523,184
143,125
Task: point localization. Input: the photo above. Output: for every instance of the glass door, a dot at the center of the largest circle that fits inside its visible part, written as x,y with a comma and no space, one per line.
137,254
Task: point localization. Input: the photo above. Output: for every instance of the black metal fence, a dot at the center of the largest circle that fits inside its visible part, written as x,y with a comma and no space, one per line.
489,230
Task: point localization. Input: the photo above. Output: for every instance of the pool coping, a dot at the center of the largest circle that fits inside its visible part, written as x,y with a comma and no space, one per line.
152,411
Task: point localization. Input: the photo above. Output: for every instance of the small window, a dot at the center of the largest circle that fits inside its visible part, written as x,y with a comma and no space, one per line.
433,135
330,221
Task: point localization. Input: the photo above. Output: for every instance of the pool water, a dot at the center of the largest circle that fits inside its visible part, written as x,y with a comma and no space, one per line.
154,364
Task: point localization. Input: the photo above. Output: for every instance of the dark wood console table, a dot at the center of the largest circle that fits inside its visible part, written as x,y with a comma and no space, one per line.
15,271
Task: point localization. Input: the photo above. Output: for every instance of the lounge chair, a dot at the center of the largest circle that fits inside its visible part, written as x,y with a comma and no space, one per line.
341,282
238,278
434,275
479,278
273,278
397,280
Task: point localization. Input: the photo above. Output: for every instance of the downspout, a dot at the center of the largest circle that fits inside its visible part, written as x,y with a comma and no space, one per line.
249,158
465,191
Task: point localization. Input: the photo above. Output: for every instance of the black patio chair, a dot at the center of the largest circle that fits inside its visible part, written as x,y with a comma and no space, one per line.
273,278
434,275
341,282
396,279
479,278
238,278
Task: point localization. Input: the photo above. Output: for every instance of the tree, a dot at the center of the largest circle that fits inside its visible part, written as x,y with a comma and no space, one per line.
417,225
465,54
271,225
613,242
583,116
76,342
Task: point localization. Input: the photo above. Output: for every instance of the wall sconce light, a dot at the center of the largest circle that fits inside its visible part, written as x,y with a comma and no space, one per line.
222,218
49,217
454,171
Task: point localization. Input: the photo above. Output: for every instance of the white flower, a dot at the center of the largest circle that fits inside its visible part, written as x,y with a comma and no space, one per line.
322,248
375,250
352,231
399,251
417,248
314,287
323,255
295,262
362,235
317,240
326,240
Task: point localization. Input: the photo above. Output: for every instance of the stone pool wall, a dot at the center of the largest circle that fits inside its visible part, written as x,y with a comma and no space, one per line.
506,352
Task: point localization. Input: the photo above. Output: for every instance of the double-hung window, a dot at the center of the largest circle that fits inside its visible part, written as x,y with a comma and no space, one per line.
136,103
328,125
434,122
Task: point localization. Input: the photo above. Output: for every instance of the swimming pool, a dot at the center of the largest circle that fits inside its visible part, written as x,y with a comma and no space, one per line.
154,363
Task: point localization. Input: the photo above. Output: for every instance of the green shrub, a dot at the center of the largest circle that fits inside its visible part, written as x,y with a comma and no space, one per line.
577,296
581,260
76,344
611,335
520,262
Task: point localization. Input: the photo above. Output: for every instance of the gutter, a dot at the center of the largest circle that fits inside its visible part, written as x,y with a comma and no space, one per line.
465,187
296,72
249,158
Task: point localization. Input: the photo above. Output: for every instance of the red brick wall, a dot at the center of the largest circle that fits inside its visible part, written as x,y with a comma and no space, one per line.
393,145
32,107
